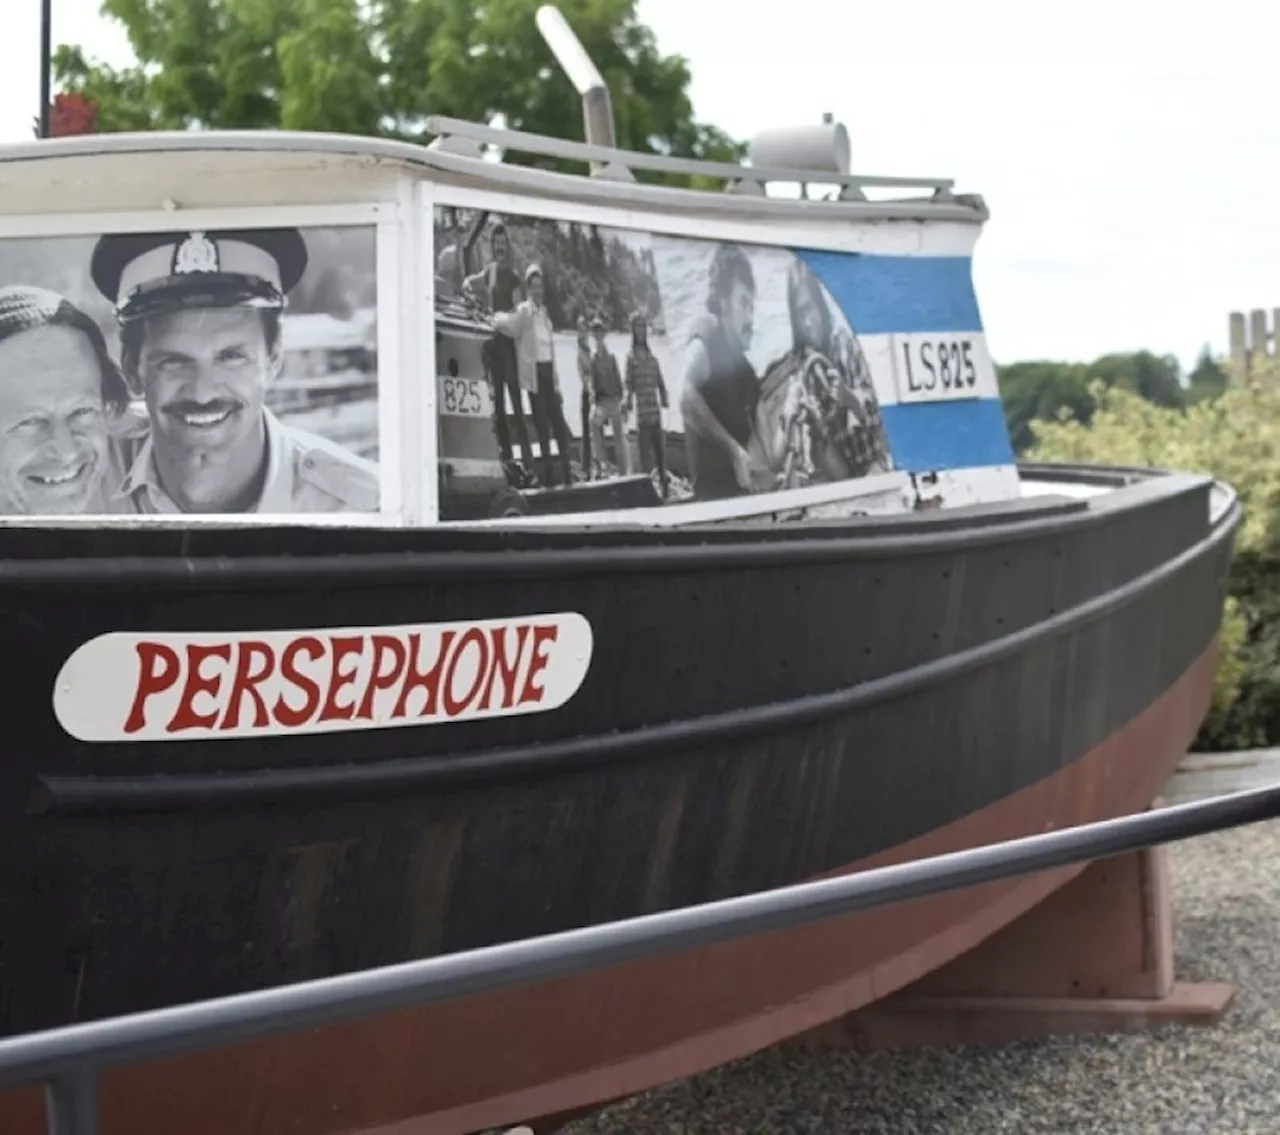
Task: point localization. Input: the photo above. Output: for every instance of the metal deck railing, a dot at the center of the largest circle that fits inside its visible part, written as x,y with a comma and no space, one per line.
69,1060
455,135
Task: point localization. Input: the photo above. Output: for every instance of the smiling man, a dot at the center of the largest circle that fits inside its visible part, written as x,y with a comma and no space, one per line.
200,330
59,393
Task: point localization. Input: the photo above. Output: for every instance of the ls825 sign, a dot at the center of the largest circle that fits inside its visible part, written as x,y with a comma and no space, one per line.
942,367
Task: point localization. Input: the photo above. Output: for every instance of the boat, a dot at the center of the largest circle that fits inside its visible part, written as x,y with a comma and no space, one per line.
377,708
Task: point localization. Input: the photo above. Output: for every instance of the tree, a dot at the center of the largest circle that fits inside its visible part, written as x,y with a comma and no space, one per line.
380,67
1208,378
1155,378
1048,391
1042,390
69,114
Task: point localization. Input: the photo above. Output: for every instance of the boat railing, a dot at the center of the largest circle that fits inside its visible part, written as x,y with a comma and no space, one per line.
457,136
69,1060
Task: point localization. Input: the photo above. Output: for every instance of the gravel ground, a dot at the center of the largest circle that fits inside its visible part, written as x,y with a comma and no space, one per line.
1223,1079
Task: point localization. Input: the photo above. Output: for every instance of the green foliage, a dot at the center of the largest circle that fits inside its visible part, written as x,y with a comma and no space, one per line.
1207,379
1236,438
1042,390
380,67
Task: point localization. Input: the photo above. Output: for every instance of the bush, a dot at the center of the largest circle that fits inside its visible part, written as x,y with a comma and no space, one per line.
1236,438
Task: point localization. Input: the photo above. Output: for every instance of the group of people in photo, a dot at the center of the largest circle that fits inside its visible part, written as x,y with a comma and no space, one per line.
522,363
811,415
176,419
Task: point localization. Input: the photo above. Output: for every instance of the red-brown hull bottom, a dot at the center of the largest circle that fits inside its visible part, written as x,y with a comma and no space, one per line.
465,1066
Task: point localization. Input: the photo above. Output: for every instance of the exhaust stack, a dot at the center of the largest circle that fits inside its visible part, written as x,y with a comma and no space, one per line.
597,106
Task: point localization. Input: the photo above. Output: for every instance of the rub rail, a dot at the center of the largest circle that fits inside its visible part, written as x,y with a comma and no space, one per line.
69,1060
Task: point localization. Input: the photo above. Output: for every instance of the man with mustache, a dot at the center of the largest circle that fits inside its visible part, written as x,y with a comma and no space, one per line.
500,290
199,318
59,395
719,385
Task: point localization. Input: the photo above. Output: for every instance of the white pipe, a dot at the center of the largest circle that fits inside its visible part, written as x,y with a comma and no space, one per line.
597,108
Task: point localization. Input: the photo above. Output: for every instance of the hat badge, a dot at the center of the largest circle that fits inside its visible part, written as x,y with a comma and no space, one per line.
195,254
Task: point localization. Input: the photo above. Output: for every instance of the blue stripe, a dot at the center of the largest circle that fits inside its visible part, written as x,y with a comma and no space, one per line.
902,294
926,436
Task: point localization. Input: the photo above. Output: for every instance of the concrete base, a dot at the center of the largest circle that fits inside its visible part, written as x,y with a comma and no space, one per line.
1096,956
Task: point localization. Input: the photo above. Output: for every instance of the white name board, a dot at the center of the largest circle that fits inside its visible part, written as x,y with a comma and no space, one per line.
942,367
209,686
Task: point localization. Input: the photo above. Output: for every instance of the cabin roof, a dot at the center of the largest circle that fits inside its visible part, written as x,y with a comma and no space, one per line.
456,158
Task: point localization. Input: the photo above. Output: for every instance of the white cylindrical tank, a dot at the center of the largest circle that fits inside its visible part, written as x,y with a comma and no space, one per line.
823,148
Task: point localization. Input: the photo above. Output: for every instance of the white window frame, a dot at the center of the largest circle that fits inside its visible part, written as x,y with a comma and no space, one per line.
886,238
757,233
395,442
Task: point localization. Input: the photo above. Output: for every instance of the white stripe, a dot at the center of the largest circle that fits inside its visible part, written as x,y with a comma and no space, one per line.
884,492
879,237
960,487
930,366
472,467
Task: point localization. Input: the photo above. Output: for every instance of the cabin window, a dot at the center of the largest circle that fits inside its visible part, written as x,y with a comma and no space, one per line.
193,370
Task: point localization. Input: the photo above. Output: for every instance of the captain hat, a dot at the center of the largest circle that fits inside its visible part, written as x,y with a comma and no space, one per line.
146,274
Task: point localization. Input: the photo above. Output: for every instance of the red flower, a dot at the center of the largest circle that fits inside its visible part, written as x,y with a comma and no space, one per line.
72,114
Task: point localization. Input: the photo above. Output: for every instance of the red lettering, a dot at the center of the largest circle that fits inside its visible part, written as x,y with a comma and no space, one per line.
454,706
542,635
251,684
185,716
285,713
159,668
428,680
379,679
245,681
501,663
343,647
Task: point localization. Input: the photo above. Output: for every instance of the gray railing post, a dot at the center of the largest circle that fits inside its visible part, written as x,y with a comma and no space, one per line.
71,1099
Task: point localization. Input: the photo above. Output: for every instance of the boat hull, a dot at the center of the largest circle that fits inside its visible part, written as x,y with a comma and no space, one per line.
782,708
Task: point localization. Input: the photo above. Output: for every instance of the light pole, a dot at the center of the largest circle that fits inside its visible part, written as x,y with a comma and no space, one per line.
46,63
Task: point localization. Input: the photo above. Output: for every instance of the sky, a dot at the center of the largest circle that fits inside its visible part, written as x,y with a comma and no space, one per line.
1129,150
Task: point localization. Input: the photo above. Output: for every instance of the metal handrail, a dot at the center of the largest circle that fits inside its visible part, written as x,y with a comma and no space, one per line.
546,146
68,1060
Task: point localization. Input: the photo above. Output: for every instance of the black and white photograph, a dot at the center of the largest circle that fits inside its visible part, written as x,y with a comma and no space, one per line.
180,372
582,367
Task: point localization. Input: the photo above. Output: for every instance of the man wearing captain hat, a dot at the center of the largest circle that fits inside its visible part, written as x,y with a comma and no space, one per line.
199,316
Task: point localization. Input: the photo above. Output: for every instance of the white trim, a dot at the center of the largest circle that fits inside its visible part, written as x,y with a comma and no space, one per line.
478,466
1044,486
423,321
366,153
704,512
895,238
391,358
385,220
206,520
1221,497
978,484
167,220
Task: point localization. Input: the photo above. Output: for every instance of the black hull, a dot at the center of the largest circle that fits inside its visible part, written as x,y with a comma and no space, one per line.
762,705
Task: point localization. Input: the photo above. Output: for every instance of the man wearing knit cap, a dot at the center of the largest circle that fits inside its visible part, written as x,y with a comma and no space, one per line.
59,395
199,316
